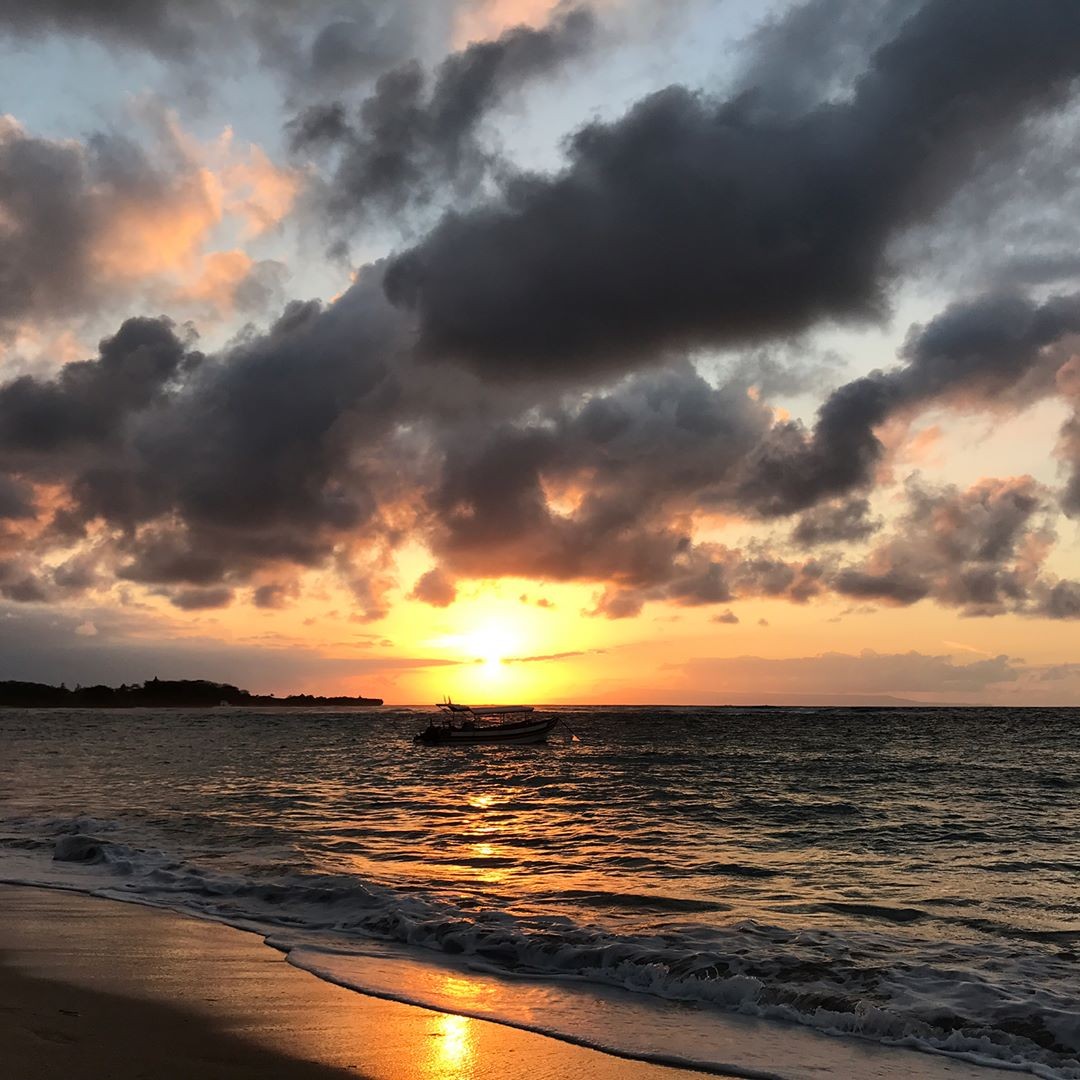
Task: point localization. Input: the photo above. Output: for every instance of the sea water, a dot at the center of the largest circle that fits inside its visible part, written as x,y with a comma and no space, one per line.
907,877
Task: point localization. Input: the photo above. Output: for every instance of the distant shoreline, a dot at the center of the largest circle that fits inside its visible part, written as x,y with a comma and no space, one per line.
271,703
162,694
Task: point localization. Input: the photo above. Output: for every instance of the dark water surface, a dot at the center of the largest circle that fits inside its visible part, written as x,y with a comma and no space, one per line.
909,876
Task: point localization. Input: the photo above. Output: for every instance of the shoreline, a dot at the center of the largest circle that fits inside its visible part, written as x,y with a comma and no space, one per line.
97,988
93,988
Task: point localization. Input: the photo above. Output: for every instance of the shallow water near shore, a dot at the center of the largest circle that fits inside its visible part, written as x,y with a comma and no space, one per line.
899,876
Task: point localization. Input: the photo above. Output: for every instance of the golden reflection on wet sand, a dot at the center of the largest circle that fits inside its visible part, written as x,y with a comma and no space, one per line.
452,1048
453,1040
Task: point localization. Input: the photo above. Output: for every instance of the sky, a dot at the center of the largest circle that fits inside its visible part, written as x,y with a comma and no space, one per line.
608,352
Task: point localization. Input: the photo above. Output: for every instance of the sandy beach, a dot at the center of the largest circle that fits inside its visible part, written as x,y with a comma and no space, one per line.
92,988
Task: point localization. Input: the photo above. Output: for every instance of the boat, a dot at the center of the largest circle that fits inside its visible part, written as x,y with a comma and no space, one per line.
464,725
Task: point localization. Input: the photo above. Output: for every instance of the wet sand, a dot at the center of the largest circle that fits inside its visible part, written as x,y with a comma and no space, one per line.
93,989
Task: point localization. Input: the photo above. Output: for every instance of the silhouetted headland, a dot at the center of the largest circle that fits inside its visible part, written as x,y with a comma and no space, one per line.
158,694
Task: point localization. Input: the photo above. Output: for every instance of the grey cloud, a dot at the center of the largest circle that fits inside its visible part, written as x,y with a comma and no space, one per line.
203,471
409,142
78,573
19,583
697,221
991,350
321,46
88,402
271,595
802,58
288,449
63,196
896,585
161,556
262,288
831,523
979,550
152,24
1061,600
706,574
656,446
1070,452
201,599
16,499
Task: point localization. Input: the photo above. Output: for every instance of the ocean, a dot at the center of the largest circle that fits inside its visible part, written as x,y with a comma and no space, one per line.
907,877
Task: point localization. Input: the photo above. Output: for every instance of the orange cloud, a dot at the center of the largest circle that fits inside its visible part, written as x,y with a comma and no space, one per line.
258,191
170,232
162,232
489,18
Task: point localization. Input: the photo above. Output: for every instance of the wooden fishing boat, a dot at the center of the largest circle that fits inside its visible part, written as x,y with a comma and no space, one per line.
464,725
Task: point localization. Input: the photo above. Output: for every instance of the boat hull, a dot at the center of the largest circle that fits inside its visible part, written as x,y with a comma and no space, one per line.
521,733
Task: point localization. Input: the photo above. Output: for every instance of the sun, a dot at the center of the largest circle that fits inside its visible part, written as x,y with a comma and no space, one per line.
494,643
490,643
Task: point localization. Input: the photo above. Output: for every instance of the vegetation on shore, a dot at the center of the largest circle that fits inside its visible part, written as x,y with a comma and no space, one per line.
156,693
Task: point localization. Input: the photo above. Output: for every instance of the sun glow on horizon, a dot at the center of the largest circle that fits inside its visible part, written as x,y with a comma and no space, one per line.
488,643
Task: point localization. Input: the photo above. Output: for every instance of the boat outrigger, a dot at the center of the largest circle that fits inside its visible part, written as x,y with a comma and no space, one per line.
462,725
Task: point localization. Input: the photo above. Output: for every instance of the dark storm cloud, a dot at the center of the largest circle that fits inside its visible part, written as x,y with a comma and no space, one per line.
86,405
256,462
200,472
993,350
410,141
16,499
893,584
697,221
307,445
161,557
816,50
630,461
341,44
